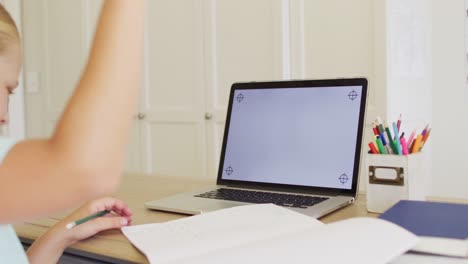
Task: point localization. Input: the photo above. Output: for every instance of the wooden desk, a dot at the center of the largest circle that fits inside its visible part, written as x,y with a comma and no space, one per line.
113,247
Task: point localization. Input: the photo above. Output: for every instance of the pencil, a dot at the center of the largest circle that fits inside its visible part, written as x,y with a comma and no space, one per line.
410,140
423,142
399,122
86,219
417,144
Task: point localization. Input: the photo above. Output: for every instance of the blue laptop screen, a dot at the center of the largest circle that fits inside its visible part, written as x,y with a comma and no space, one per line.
294,136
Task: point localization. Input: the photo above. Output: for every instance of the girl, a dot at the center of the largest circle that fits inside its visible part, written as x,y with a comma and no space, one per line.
83,158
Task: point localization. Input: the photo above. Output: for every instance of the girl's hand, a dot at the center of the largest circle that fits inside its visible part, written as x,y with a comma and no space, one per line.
120,216
49,247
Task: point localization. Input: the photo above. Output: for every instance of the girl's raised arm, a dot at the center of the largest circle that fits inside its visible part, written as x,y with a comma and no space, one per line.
84,157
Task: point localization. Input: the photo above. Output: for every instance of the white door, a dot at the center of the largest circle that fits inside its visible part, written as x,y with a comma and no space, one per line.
55,50
195,51
243,43
57,37
173,133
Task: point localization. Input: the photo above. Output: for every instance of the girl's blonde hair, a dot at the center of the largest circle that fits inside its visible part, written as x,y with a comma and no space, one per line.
8,31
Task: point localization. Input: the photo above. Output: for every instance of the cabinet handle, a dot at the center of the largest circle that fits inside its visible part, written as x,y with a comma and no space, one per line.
208,116
141,116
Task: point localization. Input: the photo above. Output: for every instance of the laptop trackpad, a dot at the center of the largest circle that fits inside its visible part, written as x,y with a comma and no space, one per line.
192,205
216,205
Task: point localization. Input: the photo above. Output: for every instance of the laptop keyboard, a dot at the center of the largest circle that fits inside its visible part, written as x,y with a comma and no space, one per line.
281,199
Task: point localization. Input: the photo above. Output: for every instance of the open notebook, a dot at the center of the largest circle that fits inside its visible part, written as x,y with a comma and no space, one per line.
267,233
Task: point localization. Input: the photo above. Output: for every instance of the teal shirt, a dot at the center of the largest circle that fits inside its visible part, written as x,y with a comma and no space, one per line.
11,250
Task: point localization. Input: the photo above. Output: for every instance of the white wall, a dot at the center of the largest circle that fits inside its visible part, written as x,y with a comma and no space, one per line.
409,70
450,100
426,78
17,127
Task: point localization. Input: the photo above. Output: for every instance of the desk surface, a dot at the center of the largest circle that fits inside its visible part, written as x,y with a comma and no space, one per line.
112,246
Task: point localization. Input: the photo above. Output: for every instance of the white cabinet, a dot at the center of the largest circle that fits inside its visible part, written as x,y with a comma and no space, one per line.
194,51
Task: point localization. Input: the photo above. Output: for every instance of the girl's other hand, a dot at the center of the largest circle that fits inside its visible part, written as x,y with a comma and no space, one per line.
120,216
49,247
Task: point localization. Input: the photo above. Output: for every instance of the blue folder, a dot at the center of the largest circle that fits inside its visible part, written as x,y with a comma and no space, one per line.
435,219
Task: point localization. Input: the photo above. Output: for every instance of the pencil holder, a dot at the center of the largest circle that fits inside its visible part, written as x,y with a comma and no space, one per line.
392,178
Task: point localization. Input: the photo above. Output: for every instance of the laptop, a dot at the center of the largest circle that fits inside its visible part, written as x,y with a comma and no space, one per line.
294,143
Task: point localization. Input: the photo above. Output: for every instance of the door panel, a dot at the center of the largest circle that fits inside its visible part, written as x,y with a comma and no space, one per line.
57,36
243,43
338,47
175,148
64,50
173,136
247,38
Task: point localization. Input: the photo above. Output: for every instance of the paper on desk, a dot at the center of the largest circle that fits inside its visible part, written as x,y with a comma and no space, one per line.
268,234
205,233
359,240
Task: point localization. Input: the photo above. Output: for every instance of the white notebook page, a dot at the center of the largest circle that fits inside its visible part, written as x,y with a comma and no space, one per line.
267,234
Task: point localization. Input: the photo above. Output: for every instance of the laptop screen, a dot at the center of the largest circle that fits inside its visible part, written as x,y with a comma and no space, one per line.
298,136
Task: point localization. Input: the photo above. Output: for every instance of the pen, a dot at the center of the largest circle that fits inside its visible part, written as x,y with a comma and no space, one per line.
388,149
376,130
380,145
373,148
385,140
397,142
85,219
382,137
390,140
404,147
380,125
